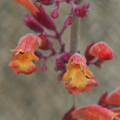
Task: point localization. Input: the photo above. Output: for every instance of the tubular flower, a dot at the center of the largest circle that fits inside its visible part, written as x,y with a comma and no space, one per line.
102,51
94,112
39,13
80,75
23,54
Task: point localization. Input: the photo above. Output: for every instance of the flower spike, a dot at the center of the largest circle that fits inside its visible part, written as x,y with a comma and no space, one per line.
23,54
81,77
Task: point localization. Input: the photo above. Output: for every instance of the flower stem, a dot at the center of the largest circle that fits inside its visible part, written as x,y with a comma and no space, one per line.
74,48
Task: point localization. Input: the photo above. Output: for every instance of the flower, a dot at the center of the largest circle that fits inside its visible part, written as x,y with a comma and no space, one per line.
81,11
33,24
39,13
23,54
102,51
94,112
81,77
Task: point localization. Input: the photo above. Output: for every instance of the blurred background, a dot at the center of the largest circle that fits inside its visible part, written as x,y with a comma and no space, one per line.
40,96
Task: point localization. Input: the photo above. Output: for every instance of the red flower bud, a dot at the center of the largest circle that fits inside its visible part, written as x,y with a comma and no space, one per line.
44,19
59,65
102,51
69,19
54,13
33,24
65,57
94,112
46,44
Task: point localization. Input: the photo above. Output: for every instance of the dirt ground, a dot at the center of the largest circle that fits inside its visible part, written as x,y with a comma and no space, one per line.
40,96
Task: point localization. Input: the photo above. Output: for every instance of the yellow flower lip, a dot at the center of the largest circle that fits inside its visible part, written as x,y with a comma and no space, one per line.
23,55
81,77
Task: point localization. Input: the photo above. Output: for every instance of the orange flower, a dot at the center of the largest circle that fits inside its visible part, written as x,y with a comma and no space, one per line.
111,99
114,97
94,112
23,54
29,6
102,51
80,75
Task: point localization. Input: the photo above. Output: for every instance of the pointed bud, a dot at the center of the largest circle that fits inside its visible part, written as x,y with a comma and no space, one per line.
59,65
102,51
33,24
44,18
46,44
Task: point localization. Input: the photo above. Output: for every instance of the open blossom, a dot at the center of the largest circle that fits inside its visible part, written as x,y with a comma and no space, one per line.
81,77
23,55
94,112
39,13
102,51
108,99
81,11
